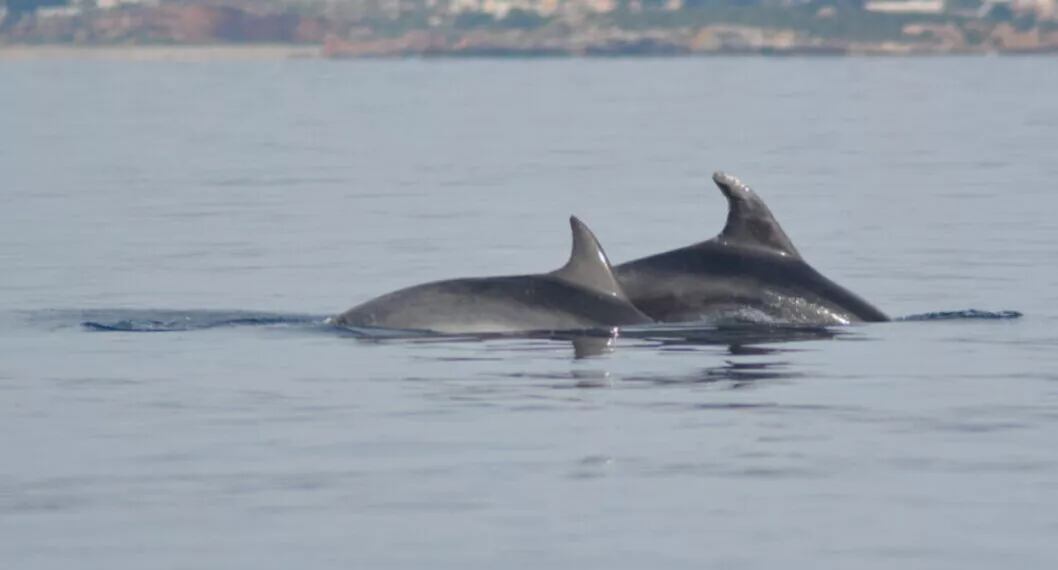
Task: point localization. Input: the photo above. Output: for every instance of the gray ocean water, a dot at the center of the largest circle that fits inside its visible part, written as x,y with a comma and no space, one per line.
233,205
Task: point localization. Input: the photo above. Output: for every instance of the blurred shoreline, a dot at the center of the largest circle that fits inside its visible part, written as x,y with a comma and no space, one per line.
279,52
234,30
208,52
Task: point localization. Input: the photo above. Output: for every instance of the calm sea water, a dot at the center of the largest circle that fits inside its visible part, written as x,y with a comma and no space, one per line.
234,205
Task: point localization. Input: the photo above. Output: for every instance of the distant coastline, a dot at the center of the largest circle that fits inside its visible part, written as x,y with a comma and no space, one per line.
241,30
209,52
280,52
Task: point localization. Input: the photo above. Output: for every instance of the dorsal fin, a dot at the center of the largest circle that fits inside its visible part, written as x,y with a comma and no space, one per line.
749,221
588,265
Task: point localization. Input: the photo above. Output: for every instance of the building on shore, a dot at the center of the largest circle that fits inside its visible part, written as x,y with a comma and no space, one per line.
110,4
905,6
500,8
1041,9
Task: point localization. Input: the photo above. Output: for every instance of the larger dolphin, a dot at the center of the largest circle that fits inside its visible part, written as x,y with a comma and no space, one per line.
583,294
751,271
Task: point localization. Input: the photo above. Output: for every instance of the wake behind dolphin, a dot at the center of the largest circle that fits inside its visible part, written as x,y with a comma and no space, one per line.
175,320
189,320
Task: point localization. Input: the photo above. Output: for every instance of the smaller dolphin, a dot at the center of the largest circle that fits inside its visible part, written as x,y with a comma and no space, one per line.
751,271
583,294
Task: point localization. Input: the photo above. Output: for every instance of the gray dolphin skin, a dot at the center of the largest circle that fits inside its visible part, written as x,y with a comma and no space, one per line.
750,272
583,294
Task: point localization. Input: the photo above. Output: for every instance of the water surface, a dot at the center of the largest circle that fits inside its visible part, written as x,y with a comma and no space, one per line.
236,205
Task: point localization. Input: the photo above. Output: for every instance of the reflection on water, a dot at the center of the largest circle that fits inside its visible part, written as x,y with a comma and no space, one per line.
742,338
587,347
737,335
752,348
737,374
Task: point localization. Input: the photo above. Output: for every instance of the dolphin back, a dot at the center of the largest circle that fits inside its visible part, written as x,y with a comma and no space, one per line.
582,294
751,270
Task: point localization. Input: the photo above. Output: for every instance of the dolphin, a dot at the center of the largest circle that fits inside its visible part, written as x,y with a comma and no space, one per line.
583,294
750,272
